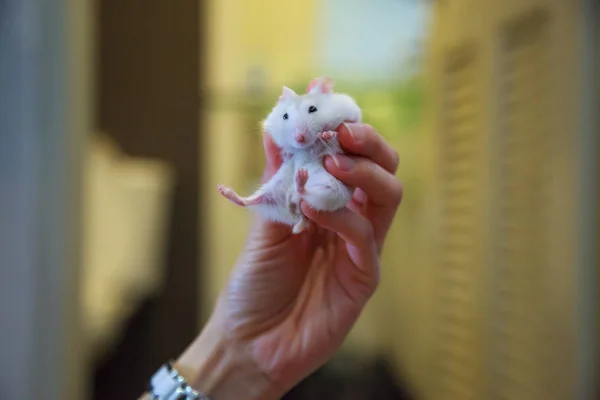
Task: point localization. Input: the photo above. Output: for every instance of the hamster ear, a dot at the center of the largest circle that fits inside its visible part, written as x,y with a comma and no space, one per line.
287,94
322,84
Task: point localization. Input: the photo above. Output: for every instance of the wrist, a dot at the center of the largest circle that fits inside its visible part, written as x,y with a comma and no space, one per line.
221,370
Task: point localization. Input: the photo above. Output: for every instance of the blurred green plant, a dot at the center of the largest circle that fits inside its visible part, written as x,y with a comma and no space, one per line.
410,101
396,109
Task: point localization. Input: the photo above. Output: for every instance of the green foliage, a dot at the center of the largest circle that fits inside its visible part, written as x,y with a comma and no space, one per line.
397,109
410,102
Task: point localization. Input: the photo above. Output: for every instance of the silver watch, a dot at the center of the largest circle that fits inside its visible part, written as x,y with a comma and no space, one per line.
167,384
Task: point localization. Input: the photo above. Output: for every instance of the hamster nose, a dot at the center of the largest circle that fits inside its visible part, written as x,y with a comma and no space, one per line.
300,137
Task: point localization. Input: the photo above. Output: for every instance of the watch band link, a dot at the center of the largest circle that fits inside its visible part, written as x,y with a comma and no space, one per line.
168,384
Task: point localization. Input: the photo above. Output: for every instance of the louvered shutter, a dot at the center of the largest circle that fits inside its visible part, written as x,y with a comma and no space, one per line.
523,140
510,311
457,345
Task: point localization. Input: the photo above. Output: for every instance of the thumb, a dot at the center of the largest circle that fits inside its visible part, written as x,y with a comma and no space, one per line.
273,155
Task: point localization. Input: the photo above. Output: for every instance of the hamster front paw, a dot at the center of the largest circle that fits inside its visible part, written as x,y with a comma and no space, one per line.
327,135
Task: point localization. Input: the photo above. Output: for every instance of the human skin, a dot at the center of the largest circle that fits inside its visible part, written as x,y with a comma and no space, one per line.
291,300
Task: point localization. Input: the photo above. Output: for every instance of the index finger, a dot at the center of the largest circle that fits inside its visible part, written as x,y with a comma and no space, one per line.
363,140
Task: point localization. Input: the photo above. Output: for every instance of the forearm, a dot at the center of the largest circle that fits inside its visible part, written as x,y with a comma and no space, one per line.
220,371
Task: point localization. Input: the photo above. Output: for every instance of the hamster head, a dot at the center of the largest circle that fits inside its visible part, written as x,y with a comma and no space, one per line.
296,120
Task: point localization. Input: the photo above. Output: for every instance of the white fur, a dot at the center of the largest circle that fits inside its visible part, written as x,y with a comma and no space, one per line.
322,190
332,110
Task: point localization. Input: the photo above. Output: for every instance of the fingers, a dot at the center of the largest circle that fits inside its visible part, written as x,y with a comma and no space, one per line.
359,201
353,228
378,193
363,140
380,186
273,155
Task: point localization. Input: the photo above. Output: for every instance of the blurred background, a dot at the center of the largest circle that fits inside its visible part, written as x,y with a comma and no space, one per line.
118,118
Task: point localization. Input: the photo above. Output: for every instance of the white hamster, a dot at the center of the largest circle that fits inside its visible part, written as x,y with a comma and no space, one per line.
303,127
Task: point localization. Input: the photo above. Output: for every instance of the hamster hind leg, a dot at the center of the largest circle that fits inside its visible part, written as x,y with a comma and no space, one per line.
267,195
302,225
324,192
259,197
269,202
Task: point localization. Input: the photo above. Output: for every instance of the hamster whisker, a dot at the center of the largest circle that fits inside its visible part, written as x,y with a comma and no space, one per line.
327,146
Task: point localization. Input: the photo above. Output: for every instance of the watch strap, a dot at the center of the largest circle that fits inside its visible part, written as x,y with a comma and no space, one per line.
168,384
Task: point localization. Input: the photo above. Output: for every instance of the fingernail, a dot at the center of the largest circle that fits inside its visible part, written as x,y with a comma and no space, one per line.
349,127
344,163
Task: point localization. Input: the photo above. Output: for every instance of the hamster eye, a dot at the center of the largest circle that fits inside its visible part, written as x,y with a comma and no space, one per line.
285,116
312,109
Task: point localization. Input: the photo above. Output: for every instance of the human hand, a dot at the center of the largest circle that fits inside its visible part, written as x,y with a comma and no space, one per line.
292,299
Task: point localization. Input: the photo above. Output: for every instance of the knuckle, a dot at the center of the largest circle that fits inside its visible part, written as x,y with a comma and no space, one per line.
376,279
371,137
395,159
371,176
363,133
398,192
367,232
364,168
373,278
369,129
